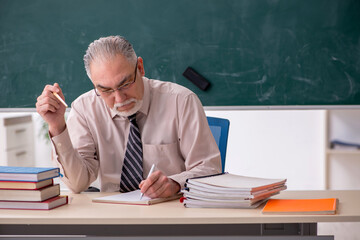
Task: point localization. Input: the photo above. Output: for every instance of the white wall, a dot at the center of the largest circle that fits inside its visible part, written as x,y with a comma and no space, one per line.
277,144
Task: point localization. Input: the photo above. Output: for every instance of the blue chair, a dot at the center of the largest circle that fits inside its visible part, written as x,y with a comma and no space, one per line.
220,130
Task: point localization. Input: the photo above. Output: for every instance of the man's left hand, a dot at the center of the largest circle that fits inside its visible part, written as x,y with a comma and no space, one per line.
158,185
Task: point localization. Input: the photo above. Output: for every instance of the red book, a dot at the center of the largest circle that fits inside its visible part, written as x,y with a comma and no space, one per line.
30,205
25,185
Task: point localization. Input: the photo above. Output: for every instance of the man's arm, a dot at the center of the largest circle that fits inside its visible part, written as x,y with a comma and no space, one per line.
197,144
76,154
79,170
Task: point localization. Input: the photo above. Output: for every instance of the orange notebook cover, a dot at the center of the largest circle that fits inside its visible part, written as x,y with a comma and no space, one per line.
301,206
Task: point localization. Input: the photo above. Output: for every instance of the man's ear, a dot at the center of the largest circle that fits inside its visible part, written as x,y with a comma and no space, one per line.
140,66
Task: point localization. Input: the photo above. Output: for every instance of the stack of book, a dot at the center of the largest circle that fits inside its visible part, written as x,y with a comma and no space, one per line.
30,188
227,190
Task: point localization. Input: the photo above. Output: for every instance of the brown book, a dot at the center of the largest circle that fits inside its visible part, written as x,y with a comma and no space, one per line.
30,195
301,206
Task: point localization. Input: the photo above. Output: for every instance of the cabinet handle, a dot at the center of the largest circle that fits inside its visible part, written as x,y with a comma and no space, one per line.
20,153
20,130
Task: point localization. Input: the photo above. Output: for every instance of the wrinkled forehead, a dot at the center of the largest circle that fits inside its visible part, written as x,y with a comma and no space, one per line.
111,70
119,61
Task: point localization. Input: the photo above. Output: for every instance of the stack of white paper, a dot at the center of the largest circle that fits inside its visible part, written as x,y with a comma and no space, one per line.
230,191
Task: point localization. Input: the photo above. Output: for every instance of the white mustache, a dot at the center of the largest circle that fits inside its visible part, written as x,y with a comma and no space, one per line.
116,105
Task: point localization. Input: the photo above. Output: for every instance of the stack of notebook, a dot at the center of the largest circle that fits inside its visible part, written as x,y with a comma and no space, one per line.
29,188
229,191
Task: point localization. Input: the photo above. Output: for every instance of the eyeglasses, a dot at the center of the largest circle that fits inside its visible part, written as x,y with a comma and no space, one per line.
109,91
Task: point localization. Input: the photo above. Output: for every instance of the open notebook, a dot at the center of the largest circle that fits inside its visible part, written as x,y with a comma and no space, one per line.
133,198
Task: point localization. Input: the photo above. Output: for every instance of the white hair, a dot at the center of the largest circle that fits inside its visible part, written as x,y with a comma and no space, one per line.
106,48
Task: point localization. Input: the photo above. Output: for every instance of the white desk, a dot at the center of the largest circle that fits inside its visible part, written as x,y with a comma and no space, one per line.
83,217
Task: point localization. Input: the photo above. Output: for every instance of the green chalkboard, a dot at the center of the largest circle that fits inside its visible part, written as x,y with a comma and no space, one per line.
254,52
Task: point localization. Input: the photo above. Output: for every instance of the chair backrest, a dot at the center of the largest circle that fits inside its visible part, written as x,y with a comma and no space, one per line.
220,130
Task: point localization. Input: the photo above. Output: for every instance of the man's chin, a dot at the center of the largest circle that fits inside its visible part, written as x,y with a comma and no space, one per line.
125,114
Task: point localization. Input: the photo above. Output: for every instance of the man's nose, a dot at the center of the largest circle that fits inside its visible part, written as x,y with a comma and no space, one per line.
119,96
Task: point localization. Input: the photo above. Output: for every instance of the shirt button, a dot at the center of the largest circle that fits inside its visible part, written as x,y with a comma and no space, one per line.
59,144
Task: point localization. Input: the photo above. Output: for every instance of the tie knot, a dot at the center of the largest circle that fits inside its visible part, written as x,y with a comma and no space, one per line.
132,117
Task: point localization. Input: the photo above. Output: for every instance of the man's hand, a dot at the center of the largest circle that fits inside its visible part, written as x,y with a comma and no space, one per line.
159,185
51,109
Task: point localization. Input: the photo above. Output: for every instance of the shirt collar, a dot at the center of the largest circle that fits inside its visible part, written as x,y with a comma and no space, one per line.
146,100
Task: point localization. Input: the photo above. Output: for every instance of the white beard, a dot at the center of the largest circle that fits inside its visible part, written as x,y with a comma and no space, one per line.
137,106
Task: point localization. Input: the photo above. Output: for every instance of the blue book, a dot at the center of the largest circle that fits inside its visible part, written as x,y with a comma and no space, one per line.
27,174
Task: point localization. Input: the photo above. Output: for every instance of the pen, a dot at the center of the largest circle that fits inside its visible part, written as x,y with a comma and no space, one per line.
151,171
60,99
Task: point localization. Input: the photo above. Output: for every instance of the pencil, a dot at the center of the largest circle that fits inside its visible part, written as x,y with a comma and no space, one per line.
60,99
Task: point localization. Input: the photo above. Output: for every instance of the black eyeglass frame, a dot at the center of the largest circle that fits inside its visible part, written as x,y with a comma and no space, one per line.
122,87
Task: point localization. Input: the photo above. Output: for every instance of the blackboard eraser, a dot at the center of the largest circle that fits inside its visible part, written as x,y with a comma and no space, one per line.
196,78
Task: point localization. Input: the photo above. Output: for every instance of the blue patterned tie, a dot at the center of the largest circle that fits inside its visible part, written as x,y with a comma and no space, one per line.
132,171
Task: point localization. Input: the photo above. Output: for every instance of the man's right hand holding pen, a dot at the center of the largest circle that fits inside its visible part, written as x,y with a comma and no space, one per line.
158,185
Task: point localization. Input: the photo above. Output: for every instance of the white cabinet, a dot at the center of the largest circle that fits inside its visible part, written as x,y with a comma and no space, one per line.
342,166
17,141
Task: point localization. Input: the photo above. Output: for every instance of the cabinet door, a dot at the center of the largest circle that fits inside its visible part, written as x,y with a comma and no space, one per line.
22,157
18,135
